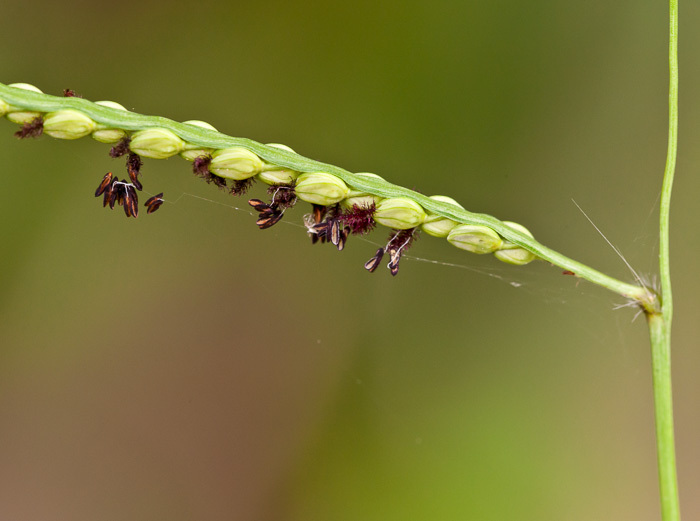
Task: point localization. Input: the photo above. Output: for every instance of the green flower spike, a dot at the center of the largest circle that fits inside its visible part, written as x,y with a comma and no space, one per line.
399,213
4,108
320,188
362,199
192,152
475,238
68,124
235,163
105,134
436,225
512,253
156,143
21,116
278,175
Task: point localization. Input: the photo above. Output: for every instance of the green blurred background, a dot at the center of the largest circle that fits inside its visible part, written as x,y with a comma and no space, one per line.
188,366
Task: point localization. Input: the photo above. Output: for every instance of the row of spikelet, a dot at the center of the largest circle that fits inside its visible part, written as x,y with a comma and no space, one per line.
338,210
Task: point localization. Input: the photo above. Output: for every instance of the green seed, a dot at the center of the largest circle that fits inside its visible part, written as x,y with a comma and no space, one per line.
320,188
104,134
235,163
68,124
359,198
192,152
475,238
17,115
512,253
157,143
278,175
437,225
399,213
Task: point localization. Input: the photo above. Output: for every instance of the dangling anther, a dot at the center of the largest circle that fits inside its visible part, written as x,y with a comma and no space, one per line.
372,264
104,184
154,203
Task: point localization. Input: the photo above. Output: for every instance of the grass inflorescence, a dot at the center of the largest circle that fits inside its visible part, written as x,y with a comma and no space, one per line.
356,201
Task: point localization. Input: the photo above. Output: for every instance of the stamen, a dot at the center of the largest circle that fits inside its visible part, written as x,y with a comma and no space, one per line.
154,203
372,264
104,184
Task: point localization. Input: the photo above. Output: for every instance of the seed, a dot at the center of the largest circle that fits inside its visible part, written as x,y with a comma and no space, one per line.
437,225
68,124
321,188
399,213
359,198
156,143
475,238
191,152
22,117
109,135
511,253
235,163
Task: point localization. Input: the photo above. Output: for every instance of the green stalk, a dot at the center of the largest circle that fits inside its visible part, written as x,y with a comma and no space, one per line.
663,409
660,323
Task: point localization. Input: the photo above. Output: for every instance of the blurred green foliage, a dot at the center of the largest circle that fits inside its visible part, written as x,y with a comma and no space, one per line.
188,366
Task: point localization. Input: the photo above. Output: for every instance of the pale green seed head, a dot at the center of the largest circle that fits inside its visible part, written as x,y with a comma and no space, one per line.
4,108
399,213
192,152
475,238
235,163
157,143
320,188
68,124
436,225
275,174
105,134
512,253
359,198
